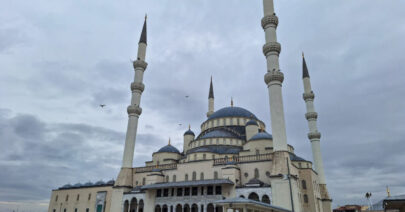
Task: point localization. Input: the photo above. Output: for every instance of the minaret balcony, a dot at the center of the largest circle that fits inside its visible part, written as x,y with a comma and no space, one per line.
134,109
270,21
311,116
314,135
271,47
140,64
137,86
274,76
308,96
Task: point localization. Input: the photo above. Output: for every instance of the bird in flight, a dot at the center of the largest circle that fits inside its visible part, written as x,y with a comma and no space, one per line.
187,96
102,105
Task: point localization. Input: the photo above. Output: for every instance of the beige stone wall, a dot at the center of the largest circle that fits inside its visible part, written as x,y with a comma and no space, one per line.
163,158
59,202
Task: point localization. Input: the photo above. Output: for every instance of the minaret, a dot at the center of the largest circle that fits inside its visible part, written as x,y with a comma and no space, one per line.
210,100
124,182
314,135
283,194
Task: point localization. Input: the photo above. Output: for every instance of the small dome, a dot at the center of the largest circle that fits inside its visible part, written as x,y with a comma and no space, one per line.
99,182
169,148
232,112
77,185
111,182
252,122
189,132
88,184
67,186
261,136
294,157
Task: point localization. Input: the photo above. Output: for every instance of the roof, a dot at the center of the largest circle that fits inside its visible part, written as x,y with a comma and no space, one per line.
304,68
294,157
219,149
261,136
252,202
189,132
211,94
143,35
169,148
232,112
252,122
88,184
254,182
188,183
219,133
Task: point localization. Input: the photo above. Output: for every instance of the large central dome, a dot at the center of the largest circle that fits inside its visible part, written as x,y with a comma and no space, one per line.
232,112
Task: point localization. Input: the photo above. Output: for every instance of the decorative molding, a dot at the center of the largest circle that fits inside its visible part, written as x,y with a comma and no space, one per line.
274,76
137,86
134,109
314,135
271,20
271,47
311,116
308,96
140,64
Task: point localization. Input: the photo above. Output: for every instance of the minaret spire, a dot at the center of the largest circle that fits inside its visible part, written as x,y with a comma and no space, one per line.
134,110
314,135
210,100
284,194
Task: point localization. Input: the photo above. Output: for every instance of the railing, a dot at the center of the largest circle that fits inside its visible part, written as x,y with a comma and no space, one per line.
161,167
243,159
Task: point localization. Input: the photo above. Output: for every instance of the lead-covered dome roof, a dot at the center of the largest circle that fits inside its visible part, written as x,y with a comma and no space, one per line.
261,136
219,133
189,132
169,148
232,112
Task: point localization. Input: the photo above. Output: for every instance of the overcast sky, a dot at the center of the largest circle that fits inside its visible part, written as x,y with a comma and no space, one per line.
60,59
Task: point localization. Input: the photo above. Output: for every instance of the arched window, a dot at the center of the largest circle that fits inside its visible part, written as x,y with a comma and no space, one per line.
89,196
204,156
167,178
186,177
266,199
256,173
305,198
304,184
143,181
202,176
67,198
56,198
254,196
78,197
257,152
215,175
194,175
174,178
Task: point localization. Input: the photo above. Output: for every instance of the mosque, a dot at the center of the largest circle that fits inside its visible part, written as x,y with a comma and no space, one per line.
232,164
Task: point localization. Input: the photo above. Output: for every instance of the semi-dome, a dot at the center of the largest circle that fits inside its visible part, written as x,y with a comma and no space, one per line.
252,122
189,132
232,112
219,133
261,136
88,184
169,148
67,186
99,183
77,185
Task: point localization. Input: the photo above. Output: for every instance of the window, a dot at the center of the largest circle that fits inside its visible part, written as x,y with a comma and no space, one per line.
54,210
136,182
174,178
159,193
179,192
194,175
194,191
256,173
218,190
64,210
257,152
202,176
202,191
75,209
87,210
143,181
268,174
305,198
67,198
89,196
210,190
167,179
56,198
78,197
213,157
172,192
204,156
186,177
186,191
300,165
304,184
215,175
166,192
195,156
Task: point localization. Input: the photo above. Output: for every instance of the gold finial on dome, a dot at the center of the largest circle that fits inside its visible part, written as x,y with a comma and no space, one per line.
189,126
388,192
231,101
169,141
302,54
